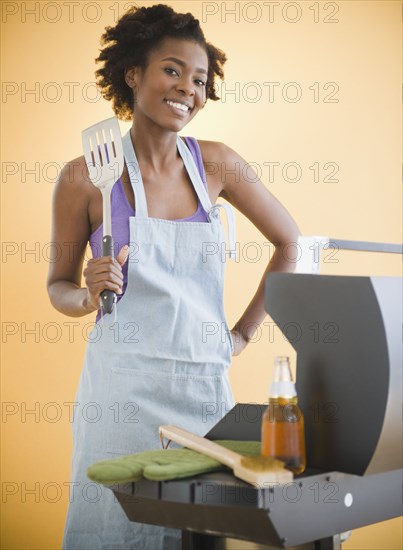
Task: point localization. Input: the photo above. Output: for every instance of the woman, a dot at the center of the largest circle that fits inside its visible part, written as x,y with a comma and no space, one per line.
166,357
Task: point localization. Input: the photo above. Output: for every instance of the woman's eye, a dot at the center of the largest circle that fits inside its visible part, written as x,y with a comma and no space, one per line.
169,70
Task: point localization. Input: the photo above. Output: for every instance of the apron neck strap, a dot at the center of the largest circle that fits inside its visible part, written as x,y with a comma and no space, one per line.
194,175
137,182
190,165
212,210
135,176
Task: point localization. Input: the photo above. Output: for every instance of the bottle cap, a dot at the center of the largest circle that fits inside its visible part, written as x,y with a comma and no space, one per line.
282,385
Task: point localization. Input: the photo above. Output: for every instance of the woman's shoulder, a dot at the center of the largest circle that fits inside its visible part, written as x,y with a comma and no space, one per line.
221,165
75,171
73,178
214,151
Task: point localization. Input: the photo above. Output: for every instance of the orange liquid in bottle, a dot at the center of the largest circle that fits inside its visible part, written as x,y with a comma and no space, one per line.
283,433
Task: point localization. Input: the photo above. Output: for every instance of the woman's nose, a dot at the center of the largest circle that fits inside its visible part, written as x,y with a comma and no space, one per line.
186,86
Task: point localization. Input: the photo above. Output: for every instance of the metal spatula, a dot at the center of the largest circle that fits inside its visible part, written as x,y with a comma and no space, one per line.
103,151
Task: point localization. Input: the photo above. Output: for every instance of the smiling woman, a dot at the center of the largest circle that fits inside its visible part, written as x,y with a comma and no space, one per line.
167,357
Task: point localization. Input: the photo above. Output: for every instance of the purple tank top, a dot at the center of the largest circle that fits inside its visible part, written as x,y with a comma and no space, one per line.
121,211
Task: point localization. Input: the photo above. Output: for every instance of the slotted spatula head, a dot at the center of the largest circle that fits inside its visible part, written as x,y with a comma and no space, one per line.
103,151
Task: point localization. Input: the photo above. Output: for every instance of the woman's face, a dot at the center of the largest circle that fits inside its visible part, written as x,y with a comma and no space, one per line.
172,88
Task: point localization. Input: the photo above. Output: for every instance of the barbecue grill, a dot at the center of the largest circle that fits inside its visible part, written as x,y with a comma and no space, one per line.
349,383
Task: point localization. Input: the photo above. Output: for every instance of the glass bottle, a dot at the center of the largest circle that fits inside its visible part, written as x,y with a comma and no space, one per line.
283,423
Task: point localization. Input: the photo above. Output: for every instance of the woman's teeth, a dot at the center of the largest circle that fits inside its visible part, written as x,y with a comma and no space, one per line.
180,106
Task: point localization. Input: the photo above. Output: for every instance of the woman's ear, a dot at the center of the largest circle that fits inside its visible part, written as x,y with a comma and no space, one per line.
130,77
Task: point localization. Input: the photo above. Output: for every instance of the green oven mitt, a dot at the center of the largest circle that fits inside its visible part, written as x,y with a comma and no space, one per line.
164,464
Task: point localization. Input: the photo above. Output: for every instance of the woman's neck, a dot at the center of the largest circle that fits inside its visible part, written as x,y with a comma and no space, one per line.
154,148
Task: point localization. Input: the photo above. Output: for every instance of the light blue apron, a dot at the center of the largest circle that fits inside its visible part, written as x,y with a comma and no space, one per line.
163,359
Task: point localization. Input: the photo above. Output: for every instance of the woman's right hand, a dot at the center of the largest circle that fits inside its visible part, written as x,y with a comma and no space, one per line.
104,273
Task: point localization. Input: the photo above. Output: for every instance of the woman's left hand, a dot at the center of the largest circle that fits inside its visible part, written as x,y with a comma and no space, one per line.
239,342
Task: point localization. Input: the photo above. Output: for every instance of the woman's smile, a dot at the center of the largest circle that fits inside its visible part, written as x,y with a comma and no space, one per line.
178,107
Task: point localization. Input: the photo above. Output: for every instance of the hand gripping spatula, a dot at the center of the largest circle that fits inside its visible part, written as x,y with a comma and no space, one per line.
103,152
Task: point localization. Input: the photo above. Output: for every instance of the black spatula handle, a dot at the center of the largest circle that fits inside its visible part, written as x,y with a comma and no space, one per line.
108,297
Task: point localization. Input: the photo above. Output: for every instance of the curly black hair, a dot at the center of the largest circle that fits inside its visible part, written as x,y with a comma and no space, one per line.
129,42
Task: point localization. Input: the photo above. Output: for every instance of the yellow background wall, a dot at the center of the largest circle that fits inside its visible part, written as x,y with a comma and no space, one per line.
344,59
